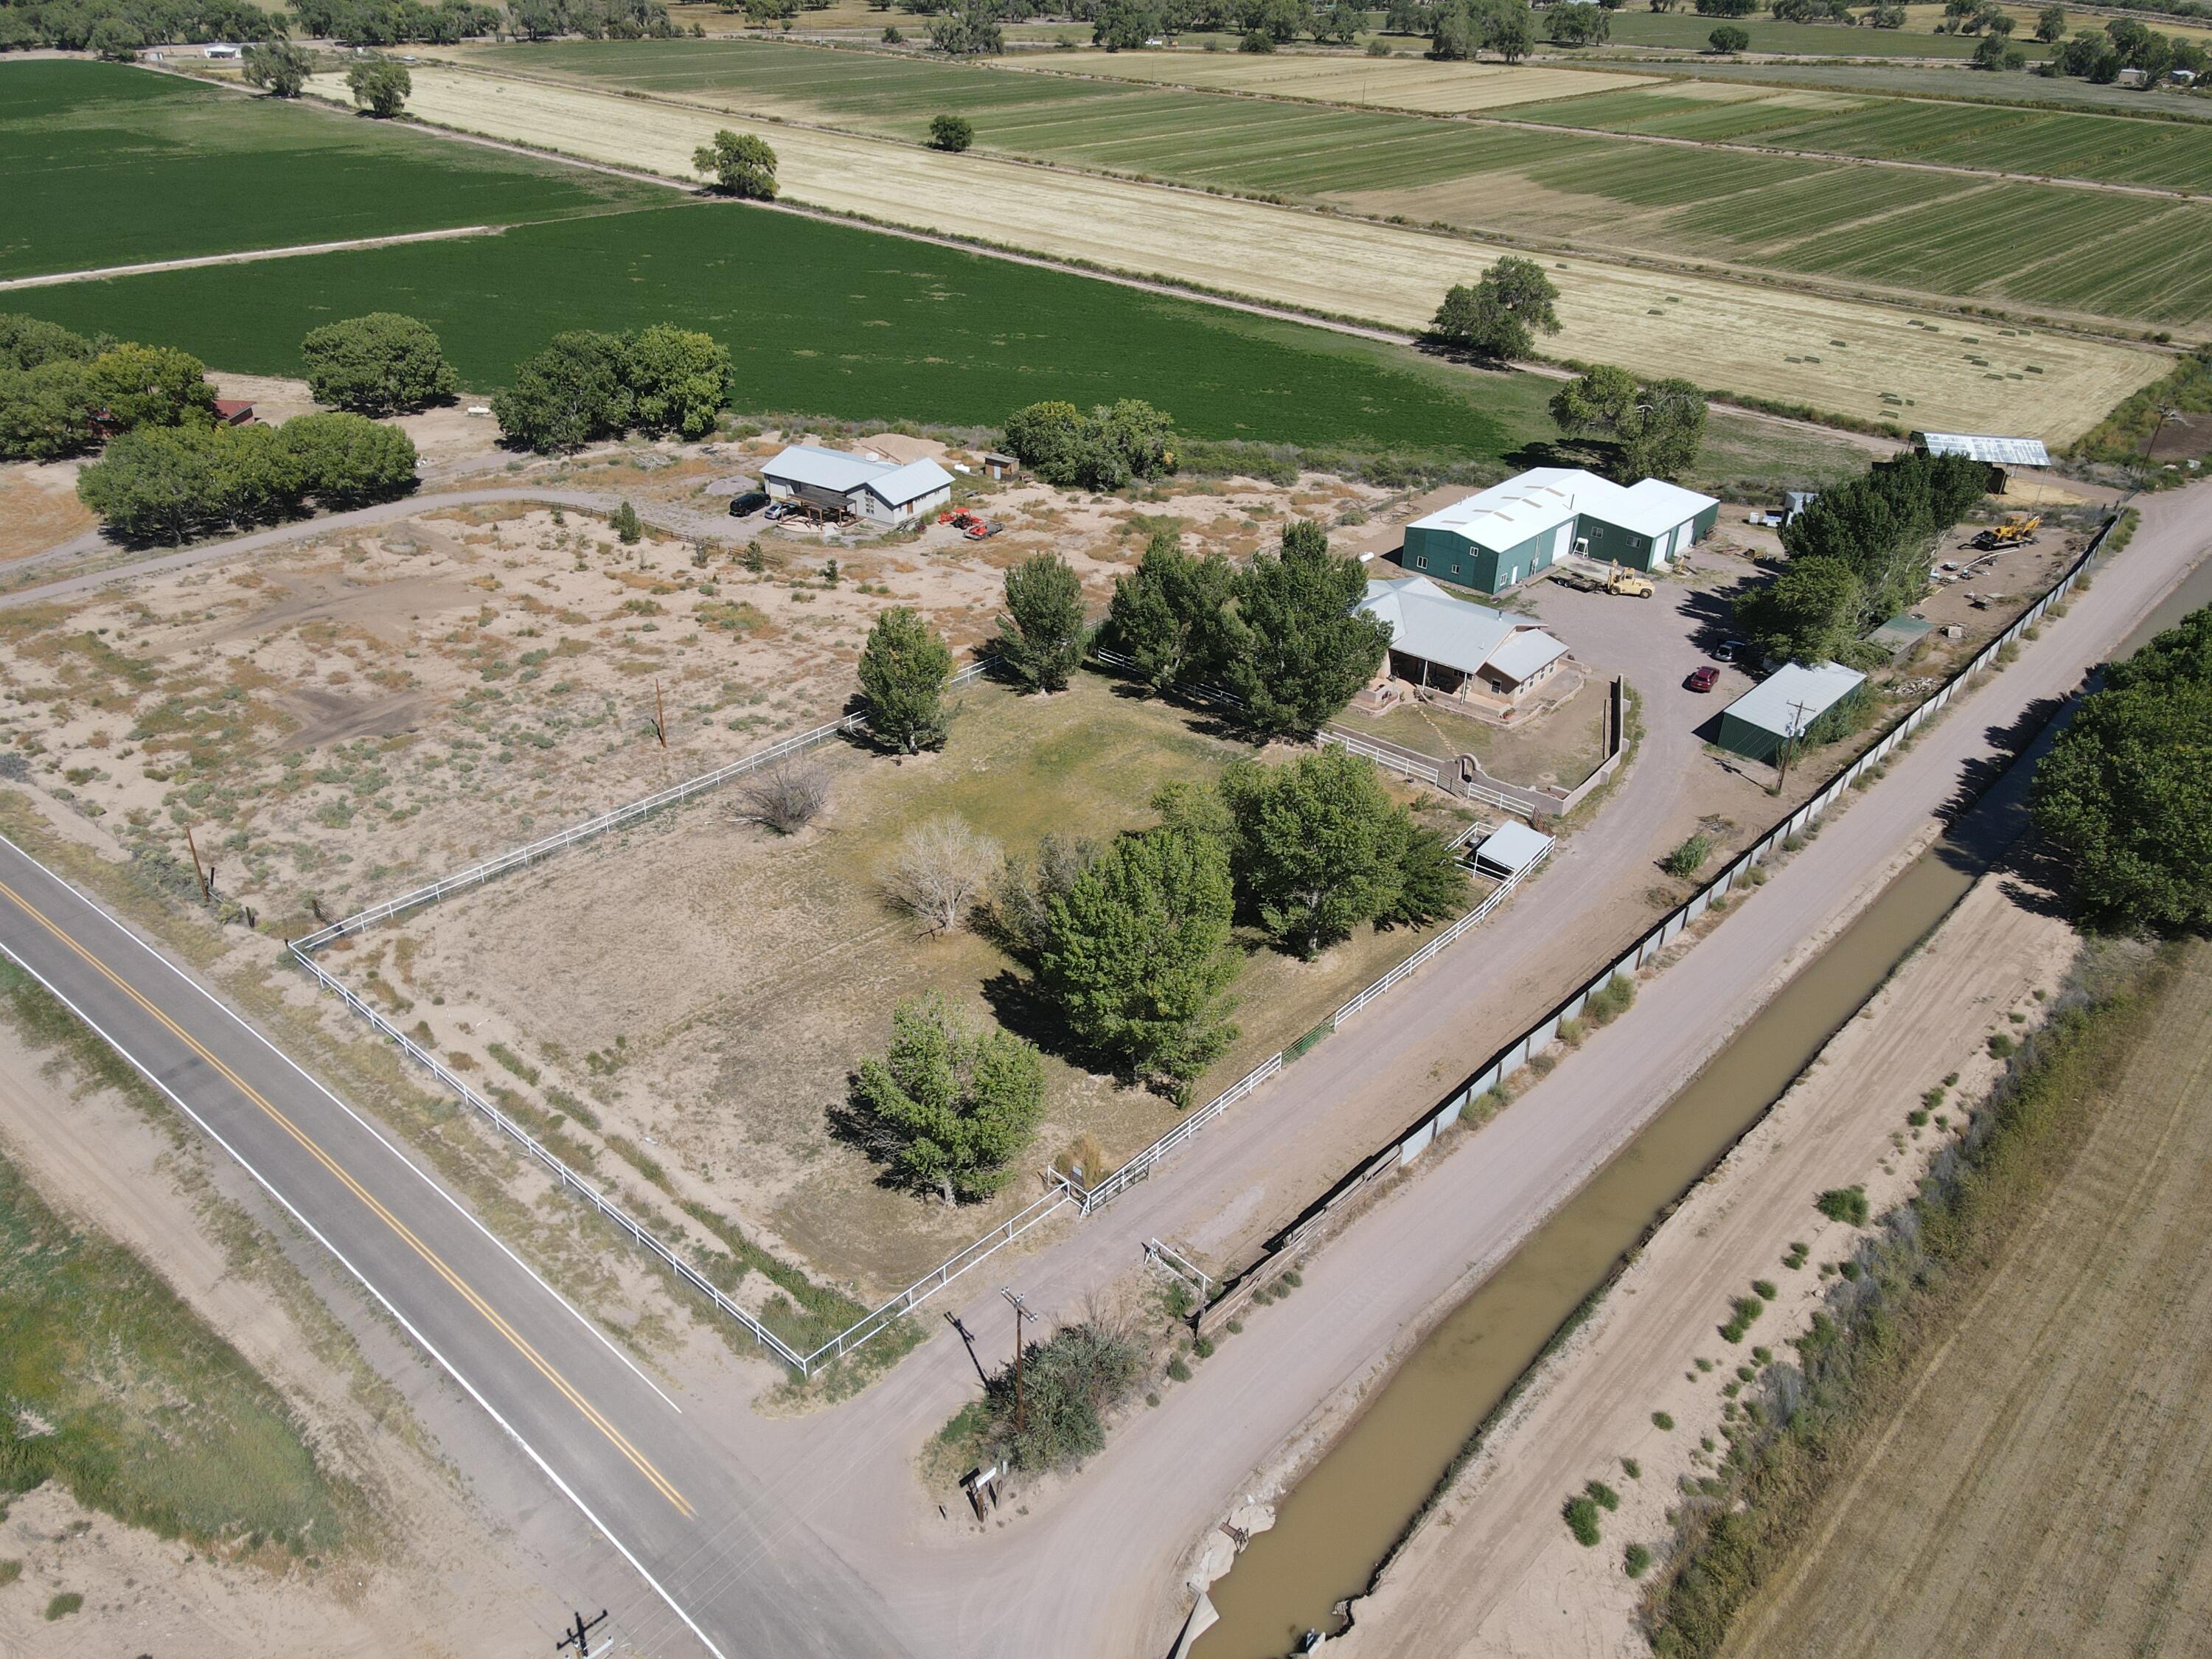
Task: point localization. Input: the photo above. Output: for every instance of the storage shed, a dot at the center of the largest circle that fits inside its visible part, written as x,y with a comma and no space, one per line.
1518,529
832,482
1511,848
2003,456
1783,707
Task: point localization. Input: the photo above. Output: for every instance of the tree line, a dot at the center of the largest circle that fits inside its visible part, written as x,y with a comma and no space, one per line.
2124,794
1857,556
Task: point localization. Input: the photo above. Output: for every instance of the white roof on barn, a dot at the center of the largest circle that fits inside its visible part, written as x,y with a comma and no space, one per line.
1511,847
1428,623
1791,698
1507,515
910,483
1997,452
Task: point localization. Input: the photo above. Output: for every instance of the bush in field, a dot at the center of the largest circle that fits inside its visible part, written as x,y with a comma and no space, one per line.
1137,957
1068,1384
1845,1204
1581,1515
1297,651
905,669
1689,857
949,1107
379,364
941,869
744,166
380,86
1499,317
1042,634
785,797
1168,614
950,133
1727,39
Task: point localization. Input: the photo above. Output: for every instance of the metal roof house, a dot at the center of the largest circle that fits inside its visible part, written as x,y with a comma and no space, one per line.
1783,707
832,482
1518,529
1449,648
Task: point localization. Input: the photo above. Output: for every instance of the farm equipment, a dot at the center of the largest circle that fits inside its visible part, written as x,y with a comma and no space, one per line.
2017,530
974,527
1590,577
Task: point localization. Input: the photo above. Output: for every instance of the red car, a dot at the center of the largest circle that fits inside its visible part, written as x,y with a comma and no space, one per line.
1703,679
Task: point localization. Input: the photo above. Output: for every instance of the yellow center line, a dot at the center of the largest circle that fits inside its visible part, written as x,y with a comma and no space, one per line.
522,1346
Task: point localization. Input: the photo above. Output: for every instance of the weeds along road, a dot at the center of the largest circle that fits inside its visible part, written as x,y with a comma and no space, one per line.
807,1536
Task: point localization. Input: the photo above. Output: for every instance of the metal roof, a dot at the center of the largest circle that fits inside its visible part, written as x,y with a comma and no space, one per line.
1527,653
1428,623
825,469
1505,515
1511,847
1651,506
910,483
1792,697
1997,452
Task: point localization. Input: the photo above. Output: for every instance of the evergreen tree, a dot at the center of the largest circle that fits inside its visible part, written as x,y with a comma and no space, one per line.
1042,635
1297,651
951,1107
1315,847
904,671
1170,613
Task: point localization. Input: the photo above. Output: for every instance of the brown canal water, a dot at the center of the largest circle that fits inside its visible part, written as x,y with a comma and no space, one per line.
1339,1523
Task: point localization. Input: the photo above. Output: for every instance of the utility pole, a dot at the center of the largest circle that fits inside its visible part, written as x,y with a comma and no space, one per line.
199,874
579,1635
1021,1312
1796,729
953,1320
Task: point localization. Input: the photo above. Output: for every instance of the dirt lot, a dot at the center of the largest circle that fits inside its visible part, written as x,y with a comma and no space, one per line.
2042,1490
708,986
1386,274
337,717
1493,1570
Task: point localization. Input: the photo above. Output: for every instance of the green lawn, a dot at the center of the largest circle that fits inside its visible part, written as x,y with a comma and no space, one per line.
834,320
109,165
116,1390
1590,185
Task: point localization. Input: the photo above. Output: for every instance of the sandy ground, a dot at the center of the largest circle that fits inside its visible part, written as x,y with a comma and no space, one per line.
444,1579
1659,322
38,507
2042,1489
1494,1570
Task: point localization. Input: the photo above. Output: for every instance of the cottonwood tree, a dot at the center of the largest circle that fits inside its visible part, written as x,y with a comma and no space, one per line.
1297,651
1103,450
166,482
1728,39
2125,793
951,1107
1501,315
941,869
1167,615
380,86
52,383
1125,25
905,669
1042,635
573,391
1656,427
278,67
381,363
1138,956
742,166
1316,847
1025,888
950,133
1810,612
678,380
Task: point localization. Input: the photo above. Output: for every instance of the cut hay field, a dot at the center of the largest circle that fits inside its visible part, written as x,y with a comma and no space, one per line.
1766,341
1588,191
1686,31
1395,82
109,165
2104,149
2037,1485
1953,81
836,320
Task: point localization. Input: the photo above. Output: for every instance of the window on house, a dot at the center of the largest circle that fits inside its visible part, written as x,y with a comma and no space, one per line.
1420,561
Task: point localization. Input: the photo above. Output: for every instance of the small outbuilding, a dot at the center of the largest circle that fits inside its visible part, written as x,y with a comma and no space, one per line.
1784,707
1455,649
1511,532
2003,456
233,412
831,483
1511,848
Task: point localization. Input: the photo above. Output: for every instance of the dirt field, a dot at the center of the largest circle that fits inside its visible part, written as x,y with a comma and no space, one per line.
709,986
1493,1570
1395,82
2042,1491
365,707
39,509
1654,321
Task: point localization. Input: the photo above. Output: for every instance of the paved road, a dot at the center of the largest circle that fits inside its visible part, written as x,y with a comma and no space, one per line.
807,1535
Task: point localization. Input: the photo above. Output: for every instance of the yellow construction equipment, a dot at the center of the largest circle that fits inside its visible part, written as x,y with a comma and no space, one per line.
1629,585
2015,531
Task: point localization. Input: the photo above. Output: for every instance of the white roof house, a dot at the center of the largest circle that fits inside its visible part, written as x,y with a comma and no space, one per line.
883,492
1473,641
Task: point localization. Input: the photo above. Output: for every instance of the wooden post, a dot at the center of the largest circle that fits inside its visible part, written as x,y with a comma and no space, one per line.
198,874
659,714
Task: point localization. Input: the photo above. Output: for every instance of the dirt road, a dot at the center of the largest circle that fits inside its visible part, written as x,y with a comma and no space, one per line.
1493,1570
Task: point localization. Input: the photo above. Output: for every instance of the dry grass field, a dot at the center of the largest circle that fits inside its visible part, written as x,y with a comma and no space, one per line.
1750,340
1393,82
2042,1491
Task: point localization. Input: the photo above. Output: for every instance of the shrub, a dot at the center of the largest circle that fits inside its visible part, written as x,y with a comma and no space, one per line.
941,870
1763,1289
1179,1369
1632,1469
1662,1420
1202,1348
1602,1495
1689,857
63,1605
1068,1384
1846,1204
785,797
1635,1560
1610,1001
2002,1045
1581,1516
